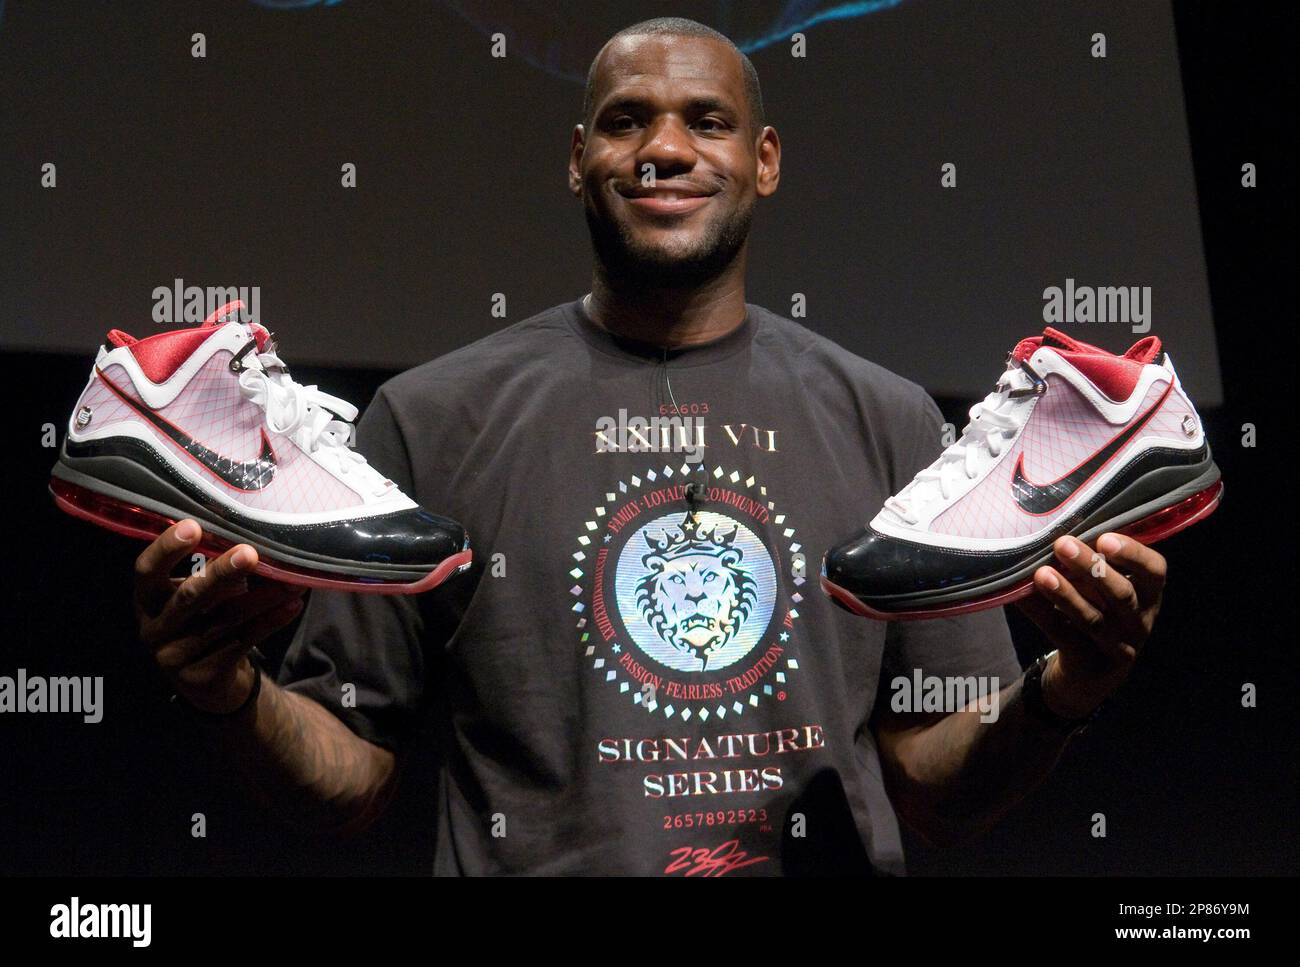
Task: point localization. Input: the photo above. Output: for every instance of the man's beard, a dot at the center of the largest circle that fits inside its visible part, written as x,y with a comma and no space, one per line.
629,263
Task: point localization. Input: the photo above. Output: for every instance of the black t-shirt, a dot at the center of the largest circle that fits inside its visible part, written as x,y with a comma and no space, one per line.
622,685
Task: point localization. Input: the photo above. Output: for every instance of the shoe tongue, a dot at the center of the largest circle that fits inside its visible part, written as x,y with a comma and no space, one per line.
1055,339
1143,351
230,312
227,313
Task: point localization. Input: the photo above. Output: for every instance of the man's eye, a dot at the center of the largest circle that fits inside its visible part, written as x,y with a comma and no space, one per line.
622,123
711,124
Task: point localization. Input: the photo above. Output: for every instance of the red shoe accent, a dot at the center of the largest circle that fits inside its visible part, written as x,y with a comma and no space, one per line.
1116,376
123,518
1148,530
1180,516
161,355
1144,350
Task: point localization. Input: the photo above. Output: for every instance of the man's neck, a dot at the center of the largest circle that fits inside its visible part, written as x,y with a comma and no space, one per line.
674,319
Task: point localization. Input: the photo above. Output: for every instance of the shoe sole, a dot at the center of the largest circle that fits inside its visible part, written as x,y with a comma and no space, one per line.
128,517
1151,526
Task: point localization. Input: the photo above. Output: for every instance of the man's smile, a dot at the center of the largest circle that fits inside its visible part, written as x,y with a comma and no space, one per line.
666,199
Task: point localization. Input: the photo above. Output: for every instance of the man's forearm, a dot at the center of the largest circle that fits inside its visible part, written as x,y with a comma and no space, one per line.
957,776
301,762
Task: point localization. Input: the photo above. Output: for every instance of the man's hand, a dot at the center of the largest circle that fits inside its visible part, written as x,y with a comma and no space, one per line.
1097,607
200,629
297,759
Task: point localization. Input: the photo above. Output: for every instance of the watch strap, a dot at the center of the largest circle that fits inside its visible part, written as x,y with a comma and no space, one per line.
1036,705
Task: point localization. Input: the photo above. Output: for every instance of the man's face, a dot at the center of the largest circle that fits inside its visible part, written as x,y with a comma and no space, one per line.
677,104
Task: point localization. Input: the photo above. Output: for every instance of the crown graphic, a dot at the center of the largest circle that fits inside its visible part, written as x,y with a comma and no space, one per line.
690,537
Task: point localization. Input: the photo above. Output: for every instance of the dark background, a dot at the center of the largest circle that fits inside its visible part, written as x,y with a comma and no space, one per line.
225,172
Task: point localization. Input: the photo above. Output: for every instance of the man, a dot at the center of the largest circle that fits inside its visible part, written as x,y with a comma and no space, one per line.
640,675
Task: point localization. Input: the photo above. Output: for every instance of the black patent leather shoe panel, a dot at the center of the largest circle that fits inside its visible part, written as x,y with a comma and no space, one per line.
406,538
876,566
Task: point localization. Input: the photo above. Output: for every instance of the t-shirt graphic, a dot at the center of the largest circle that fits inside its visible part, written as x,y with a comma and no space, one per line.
690,613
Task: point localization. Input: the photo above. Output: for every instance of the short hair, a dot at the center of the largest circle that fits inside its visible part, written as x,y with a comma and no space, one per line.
680,27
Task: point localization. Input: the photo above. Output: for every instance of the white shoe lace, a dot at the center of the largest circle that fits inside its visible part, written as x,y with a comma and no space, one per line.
993,424
316,421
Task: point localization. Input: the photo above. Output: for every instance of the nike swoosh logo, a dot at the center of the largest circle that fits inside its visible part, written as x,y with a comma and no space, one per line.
1040,499
240,474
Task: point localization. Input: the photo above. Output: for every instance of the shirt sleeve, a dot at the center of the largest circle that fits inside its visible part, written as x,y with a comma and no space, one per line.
369,641
971,644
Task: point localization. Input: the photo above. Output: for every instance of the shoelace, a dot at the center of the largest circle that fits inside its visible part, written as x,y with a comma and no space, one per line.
315,420
993,424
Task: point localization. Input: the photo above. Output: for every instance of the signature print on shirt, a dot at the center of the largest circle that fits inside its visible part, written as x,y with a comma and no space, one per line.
683,612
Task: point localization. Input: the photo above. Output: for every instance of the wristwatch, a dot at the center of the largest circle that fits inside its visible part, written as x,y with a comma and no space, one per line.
1036,706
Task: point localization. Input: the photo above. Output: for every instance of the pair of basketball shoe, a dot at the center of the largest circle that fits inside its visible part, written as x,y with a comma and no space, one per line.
206,422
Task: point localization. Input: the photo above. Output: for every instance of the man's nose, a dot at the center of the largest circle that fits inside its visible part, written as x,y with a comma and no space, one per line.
668,147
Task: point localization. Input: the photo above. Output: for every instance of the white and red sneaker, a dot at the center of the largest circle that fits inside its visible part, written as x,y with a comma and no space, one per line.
206,422
1074,440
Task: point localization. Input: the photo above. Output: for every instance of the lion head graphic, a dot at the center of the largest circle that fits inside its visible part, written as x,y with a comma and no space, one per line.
695,596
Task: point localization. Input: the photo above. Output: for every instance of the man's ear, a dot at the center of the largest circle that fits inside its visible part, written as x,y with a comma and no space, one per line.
576,148
768,151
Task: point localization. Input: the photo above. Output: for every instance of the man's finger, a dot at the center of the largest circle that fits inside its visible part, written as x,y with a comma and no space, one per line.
243,638
202,675
1077,610
1053,623
252,584
1074,559
1099,580
231,614
1145,567
153,583
201,591
222,622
